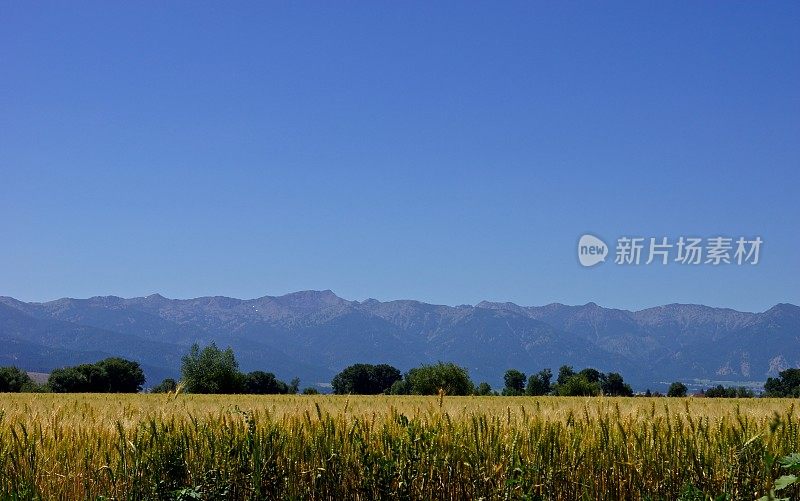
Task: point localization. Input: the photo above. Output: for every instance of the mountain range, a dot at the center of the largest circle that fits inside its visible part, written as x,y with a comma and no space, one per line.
314,334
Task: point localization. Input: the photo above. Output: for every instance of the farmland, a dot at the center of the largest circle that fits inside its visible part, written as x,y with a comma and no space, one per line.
171,446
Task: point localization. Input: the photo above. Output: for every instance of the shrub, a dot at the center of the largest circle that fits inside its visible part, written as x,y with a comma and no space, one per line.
168,385
264,383
211,370
677,389
430,379
14,380
365,379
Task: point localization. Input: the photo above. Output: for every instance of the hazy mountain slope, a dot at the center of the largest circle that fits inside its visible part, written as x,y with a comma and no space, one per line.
314,334
46,344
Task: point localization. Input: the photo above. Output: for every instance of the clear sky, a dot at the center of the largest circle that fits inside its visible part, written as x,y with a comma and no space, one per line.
446,152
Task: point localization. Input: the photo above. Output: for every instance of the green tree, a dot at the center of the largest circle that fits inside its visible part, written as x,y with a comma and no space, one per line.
400,387
564,372
514,382
66,380
677,389
787,384
593,375
720,391
112,375
539,383
365,379
385,376
448,377
168,385
614,385
310,391
84,378
483,389
14,380
122,376
578,385
211,370
96,378
264,383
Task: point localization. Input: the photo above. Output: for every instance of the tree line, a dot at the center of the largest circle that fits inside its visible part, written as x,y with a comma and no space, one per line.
212,370
111,375
216,371
367,379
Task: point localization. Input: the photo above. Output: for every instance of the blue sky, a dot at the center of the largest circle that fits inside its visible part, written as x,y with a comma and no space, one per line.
447,152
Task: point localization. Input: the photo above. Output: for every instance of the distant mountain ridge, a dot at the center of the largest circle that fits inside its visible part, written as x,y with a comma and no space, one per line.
314,334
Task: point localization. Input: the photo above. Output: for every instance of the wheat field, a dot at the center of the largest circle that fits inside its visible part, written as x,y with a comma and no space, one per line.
390,447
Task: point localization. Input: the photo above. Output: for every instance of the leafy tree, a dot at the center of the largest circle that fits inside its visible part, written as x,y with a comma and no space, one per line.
310,391
385,376
122,376
483,389
14,380
578,385
400,387
112,375
168,385
96,378
593,375
211,370
84,378
365,379
66,380
539,383
787,384
294,386
448,377
264,383
564,373
677,389
614,385
720,391
588,381
515,382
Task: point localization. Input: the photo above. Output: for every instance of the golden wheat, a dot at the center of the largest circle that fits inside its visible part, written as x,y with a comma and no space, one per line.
339,447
